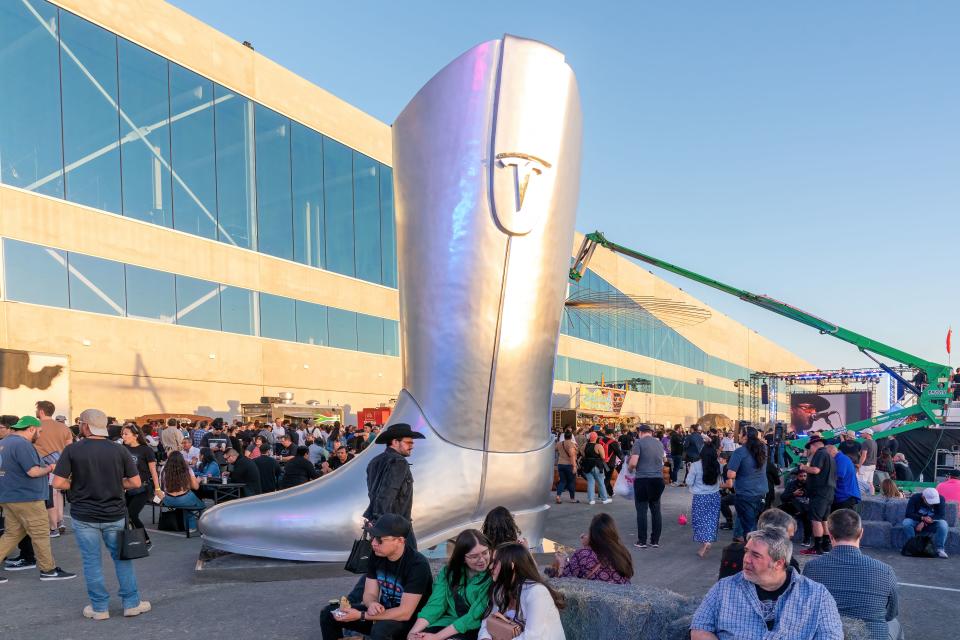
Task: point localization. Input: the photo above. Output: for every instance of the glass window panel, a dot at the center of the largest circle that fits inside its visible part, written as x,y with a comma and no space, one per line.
237,310
97,285
338,196
391,338
145,134
278,317
342,326
388,228
236,182
274,204
35,274
369,333
198,303
311,323
366,213
91,125
307,168
193,152
150,294
31,155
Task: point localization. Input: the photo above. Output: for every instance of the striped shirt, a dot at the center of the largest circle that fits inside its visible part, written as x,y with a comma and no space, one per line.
863,587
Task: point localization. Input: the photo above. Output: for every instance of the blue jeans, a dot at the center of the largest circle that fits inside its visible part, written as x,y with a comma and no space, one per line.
189,500
748,510
675,463
89,535
939,536
566,480
595,477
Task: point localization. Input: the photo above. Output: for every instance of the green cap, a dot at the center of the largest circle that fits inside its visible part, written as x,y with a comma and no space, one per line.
25,423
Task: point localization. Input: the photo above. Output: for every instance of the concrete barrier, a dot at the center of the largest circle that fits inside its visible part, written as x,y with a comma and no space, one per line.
602,611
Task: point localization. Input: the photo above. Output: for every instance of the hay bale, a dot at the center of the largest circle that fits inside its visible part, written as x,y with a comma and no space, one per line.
854,629
895,511
601,611
873,508
876,534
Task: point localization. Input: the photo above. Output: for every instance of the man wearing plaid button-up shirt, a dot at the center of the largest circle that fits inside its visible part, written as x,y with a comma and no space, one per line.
863,587
768,600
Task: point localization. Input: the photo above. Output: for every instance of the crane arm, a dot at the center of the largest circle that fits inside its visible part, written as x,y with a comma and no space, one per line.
865,344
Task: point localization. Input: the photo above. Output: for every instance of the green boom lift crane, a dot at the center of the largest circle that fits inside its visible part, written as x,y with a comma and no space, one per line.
931,400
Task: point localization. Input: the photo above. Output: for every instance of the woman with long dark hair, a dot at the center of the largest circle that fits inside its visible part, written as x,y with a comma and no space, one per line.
522,596
208,466
146,461
500,527
747,476
179,484
460,594
602,556
704,482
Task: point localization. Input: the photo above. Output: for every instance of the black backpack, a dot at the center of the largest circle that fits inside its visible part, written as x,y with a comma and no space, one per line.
919,547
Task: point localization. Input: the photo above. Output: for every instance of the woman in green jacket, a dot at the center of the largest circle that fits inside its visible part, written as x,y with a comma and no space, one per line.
461,593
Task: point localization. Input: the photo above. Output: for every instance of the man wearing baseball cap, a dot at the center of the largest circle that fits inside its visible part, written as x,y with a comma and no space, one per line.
23,492
821,487
397,587
926,515
95,471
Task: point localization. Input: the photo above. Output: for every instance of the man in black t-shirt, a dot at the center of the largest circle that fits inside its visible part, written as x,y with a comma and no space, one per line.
397,587
821,484
94,472
243,471
288,448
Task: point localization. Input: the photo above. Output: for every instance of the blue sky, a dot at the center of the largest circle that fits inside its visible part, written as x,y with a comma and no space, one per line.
809,151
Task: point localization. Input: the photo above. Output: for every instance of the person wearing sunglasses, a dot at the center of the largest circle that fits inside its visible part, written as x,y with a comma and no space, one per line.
460,592
397,586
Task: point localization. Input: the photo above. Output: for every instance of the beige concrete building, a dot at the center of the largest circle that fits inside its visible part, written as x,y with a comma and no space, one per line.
190,226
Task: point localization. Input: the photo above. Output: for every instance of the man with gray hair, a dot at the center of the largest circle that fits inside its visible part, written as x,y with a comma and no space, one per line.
845,571
767,599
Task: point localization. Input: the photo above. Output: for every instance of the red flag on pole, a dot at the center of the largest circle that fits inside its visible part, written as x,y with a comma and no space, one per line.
949,335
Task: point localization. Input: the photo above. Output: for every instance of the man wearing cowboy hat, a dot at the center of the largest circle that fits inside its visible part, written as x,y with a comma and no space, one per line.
389,481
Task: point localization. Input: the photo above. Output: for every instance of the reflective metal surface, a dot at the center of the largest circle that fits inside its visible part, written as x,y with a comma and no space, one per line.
486,166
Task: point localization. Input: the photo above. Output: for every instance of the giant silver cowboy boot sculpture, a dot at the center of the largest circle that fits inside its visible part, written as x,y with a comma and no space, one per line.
486,164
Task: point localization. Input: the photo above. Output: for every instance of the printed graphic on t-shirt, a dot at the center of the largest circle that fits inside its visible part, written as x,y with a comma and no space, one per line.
390,589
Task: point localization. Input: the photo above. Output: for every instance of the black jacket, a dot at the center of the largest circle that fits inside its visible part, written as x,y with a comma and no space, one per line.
389,486
245,472
269,470
296,472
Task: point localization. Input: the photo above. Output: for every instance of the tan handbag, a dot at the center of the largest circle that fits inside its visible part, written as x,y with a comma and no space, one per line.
502,628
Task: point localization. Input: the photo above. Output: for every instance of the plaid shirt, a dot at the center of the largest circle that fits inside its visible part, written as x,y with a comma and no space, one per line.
732,611
198,437
863,587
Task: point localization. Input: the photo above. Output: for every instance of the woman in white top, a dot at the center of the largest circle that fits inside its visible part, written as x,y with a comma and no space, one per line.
520,594
704,482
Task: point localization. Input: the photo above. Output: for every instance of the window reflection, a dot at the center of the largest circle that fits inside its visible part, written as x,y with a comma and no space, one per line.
369,333
35,274
91,123
391,338
278,317
342,328
193,153
145,134
198,303
311,323
238,310
338,195
366,216
236,182
388,228
30,152
97,285
274,205
307,168
150,294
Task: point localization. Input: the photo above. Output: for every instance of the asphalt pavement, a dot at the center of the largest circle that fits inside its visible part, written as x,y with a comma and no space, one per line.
184,607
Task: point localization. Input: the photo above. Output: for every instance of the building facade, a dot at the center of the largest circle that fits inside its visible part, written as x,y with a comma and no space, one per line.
191,226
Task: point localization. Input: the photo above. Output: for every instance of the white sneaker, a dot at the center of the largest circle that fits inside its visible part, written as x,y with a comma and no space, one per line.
943,554
593,502
608,501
